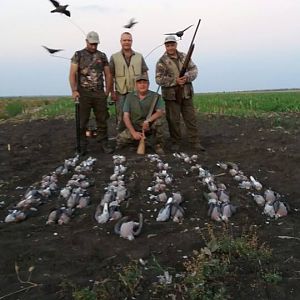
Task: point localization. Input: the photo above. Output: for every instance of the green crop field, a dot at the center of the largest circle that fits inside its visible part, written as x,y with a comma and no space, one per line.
230,103
248,103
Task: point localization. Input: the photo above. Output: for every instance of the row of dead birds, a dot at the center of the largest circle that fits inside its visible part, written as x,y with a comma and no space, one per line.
218,197
75,193
270,200
163,180
116,192
220,207
109,207
62,9
39,193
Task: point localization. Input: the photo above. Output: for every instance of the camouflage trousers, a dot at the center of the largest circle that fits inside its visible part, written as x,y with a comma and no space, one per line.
174,110
99,107
153,137
119,106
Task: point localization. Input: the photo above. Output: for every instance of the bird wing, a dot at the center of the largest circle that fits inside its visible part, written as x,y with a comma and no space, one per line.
67,13
51,51
174,33
140,226
187,28
55,3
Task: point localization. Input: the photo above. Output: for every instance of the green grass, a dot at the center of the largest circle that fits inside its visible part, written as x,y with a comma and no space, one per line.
248,103
14,108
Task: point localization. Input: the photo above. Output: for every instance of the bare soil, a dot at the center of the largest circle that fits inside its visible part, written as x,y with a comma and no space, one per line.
84,251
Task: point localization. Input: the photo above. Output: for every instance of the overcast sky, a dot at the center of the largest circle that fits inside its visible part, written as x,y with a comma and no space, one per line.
241,44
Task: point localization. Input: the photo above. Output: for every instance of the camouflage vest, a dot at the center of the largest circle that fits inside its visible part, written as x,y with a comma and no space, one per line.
124,74
173,69
90,71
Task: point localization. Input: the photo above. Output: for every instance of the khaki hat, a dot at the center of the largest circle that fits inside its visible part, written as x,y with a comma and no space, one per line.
142,77
93,37
170,39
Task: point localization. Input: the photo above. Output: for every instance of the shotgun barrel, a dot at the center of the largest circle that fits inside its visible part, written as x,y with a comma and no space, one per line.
77,120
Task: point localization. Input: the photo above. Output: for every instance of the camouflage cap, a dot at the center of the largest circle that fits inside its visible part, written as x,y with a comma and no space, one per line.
93,37
170,39
142,77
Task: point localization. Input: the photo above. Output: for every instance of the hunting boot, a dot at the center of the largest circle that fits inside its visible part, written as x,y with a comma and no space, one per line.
106,147
159,150
197,146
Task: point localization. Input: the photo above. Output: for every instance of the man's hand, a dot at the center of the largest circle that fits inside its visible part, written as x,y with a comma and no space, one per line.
75,95
181,80
137,135
146,126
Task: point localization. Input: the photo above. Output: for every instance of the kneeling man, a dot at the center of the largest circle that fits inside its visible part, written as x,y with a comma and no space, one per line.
136,109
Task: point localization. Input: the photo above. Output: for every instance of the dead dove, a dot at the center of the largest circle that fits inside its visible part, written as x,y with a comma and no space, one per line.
214,210
177,198
66,192
233,172
212,195
223,196
65,216
281,209
177,212
53,216
83,201
257,185
179,33
60,8
269,209
114,211
227,210
276,208
270,195
128,230
108,197
73,200
165,212
245,185
52,51
15,216
162,197
259,199
131,23
232,165
102,216
222,165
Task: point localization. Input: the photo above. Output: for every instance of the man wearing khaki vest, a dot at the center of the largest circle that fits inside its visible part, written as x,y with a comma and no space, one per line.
125,66
178,94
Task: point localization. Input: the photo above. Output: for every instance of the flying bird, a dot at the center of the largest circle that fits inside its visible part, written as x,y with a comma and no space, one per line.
130,24
179,33
52,51
60,8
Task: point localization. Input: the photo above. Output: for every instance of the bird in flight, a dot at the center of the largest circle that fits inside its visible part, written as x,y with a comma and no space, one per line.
52,51
131,23
179,33
60,8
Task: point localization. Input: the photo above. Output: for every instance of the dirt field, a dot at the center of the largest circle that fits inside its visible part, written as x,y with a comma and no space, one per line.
84,251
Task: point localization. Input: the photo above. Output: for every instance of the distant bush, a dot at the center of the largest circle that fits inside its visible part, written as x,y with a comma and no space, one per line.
13,109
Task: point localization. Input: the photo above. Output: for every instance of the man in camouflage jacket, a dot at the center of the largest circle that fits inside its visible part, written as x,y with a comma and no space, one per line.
92,88
178,94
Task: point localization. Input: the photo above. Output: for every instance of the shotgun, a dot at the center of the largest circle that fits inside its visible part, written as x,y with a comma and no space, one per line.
186,64
189,54
77,120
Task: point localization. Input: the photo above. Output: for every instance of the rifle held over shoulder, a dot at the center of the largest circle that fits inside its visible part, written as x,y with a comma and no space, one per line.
189,54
